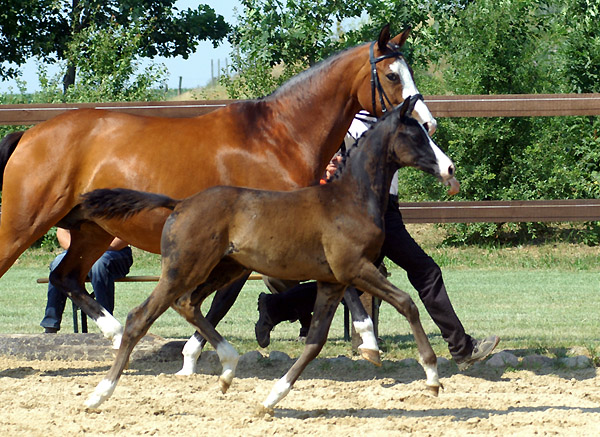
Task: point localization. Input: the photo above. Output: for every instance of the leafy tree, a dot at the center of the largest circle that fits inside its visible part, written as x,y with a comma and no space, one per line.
48,28
276,39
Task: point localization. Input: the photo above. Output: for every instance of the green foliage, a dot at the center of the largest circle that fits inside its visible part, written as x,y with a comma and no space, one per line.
47,29
275,39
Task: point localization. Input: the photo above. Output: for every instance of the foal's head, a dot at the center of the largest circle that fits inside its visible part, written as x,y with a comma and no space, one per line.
411,145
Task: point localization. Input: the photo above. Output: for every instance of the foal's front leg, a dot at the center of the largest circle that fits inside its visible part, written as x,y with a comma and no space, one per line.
363,324
328,297
373,282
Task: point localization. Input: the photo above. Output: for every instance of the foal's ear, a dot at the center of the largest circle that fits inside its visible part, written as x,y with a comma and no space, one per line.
401,38
384,37
408,105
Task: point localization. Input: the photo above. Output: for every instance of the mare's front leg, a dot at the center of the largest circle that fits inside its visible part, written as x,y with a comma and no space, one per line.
328,297
370,280
138,322
87,245
364,326
220,306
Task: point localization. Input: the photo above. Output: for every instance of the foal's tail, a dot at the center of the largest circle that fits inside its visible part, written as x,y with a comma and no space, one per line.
122,203
7,147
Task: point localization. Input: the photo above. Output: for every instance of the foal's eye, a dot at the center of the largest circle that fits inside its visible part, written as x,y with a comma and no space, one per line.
392,77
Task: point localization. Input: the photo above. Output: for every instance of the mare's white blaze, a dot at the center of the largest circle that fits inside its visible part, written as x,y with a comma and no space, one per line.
229,359
191,352
111,328
445,164
367,334
421,111
278,392
101,393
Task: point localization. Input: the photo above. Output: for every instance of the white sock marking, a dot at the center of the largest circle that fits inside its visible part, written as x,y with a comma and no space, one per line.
278,392
367,334
111,328
101,393
191,352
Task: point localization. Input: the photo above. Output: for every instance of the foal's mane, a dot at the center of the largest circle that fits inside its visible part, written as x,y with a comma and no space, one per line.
345,154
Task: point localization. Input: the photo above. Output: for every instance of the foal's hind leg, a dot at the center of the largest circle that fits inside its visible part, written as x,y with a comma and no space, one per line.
328,297
373,282
220,306
364,326
138,322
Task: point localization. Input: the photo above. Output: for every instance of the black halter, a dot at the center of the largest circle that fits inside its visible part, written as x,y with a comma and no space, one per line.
375,83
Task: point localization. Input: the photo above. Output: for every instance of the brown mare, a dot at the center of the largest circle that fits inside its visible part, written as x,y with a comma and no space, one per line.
332,233
281,142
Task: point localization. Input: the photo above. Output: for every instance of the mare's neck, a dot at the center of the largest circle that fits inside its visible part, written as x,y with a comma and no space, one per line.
317,108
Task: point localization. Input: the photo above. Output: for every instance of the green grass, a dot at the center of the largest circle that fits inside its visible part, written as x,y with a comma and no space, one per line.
544,298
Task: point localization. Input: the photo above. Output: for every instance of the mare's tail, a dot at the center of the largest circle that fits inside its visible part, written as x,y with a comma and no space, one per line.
7,147
122,203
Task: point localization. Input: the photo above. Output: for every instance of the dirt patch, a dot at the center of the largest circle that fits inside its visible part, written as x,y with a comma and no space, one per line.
42,397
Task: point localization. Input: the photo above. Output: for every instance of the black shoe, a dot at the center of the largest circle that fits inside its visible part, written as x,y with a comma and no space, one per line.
265,324
481,350
50,330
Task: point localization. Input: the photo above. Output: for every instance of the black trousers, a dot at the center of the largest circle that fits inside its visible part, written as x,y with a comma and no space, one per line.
423,273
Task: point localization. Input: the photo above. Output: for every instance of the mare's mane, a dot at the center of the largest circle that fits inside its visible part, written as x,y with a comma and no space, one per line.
305,77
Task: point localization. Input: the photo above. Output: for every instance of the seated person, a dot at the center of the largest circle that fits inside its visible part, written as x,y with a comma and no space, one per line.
113,264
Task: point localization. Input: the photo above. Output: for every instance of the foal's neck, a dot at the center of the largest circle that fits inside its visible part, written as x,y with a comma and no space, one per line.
369,170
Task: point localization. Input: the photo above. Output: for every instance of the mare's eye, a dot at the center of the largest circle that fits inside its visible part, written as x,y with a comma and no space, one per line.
392,76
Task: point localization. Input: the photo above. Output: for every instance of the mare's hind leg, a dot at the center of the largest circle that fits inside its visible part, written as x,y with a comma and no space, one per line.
364,326
370,280
87,244
220,306
328,297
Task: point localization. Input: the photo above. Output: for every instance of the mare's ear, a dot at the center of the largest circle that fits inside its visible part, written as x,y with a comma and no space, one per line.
384,37
408,106
401,38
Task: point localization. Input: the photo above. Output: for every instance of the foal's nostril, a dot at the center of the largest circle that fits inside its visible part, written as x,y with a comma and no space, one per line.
451,170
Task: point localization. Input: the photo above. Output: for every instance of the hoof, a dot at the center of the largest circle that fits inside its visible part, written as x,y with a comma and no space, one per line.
372,356
434,389
262,411
224,385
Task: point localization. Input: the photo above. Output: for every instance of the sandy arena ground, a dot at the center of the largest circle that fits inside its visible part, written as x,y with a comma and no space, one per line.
44,397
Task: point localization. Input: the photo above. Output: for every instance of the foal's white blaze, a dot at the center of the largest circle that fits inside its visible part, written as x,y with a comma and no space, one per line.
191,352
367,334
229,359
111,328
421,111
445,164
102,393
278,392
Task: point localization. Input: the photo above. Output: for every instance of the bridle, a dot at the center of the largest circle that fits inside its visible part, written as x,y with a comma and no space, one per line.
375,83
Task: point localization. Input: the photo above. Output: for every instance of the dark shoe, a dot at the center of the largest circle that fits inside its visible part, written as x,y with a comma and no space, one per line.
265,324
50,330
481,350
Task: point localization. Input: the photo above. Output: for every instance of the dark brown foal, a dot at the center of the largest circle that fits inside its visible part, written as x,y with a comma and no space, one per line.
331,233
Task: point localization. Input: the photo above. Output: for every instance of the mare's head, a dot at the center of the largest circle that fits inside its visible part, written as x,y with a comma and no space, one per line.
390,80
410,144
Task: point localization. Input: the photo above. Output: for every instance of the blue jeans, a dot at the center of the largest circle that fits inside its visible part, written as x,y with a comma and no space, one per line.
113,264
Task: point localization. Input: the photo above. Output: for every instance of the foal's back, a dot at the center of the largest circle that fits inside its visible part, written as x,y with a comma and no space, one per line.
294,235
